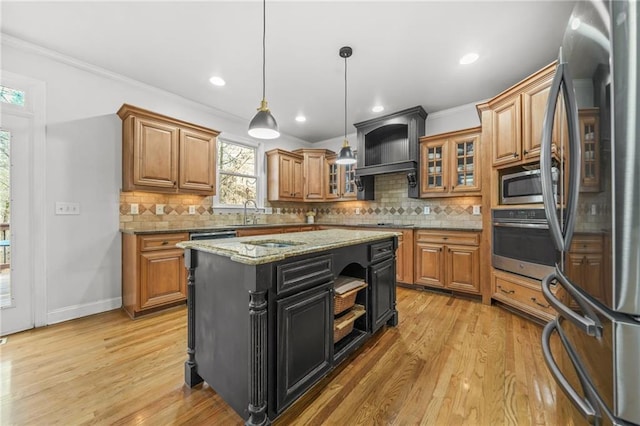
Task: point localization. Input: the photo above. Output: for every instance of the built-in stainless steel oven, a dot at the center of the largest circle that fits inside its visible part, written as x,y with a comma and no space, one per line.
522,243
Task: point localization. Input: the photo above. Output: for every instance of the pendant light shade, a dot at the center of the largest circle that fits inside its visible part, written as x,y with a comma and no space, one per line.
263,125
346,155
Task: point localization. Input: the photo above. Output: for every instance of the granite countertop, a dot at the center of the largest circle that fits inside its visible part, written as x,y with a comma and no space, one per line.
283,225
241,250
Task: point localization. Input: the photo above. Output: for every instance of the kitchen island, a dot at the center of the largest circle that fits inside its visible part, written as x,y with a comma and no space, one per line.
261,317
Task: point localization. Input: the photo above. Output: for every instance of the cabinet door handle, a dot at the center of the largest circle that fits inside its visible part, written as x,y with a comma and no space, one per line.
506,291
444,187
164,243
515,155
534,300
174,182
525,152
445,238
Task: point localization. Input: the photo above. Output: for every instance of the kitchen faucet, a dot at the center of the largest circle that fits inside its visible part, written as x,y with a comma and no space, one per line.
244,216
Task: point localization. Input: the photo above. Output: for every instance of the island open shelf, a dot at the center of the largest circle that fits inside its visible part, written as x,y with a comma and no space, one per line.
261,312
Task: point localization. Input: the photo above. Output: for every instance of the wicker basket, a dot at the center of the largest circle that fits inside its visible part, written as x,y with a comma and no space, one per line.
343,325
346,289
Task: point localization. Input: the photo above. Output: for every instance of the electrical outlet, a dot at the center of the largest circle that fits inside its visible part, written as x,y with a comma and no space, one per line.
357,210
476,209
192,209
277,210
64,208
268,210
593,210
426,210
159,209
134,209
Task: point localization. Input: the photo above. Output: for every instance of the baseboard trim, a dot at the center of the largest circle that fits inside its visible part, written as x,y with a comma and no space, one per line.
78,311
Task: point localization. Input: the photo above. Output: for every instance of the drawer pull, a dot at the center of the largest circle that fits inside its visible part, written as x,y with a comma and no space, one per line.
506,291
165,242
542,305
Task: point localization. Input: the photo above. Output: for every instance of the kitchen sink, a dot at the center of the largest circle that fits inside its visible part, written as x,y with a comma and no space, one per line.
273,244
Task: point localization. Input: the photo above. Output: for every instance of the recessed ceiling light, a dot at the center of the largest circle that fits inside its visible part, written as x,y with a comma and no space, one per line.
469,58
301,119
377,108
575,23
217,81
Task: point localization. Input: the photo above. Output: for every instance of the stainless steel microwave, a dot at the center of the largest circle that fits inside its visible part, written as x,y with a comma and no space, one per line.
525,187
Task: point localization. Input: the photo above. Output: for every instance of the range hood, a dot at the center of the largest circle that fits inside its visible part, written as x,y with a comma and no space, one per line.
389,144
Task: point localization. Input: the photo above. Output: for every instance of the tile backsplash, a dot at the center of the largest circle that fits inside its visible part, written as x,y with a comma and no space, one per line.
390,206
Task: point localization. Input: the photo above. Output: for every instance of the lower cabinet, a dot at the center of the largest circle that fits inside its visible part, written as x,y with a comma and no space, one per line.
153,275
524,294
383,291
585,263
449,260
305,342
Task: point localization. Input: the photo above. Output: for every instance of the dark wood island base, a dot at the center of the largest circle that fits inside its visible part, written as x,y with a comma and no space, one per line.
261,328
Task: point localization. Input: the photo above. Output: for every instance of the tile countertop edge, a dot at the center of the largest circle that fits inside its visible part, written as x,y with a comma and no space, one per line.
278,225
238,250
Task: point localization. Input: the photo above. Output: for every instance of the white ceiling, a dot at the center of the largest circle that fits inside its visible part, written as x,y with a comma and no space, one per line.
405,52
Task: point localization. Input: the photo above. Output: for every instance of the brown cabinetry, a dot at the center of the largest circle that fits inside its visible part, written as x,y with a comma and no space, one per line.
258,231
284,176
590,140
314,165
163,154
153,275
449,260
450,163
522,293
340,180
585,263
517,117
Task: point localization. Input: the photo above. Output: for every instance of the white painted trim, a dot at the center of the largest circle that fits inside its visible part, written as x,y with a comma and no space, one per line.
260,173
35,109
78,311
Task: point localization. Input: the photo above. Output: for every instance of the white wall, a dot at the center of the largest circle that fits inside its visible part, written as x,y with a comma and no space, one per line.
457,118
83,164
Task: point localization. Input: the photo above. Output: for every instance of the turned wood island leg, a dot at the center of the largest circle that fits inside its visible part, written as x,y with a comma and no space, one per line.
191,377
258,359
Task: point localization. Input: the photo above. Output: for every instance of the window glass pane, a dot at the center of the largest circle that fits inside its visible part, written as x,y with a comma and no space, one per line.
11,96
235,190
237,159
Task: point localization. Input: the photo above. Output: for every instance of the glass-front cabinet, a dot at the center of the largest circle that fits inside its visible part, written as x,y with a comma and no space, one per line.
590,138
449,163
340,180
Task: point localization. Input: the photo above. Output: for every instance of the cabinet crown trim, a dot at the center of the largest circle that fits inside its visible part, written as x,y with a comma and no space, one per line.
127,110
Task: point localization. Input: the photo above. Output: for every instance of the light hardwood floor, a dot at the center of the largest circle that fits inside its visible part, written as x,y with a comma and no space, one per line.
450,361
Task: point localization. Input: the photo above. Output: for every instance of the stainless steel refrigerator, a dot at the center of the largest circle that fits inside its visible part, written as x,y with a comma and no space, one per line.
592,348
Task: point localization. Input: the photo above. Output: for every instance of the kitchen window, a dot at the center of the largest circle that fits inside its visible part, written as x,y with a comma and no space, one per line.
238,174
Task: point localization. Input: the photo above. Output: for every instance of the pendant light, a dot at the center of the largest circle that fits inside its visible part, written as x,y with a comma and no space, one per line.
346,155
263,125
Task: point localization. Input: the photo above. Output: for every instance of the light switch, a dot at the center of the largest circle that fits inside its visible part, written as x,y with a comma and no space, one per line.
357,210
192,209
159,209
134,209
426,210
476,209
65,208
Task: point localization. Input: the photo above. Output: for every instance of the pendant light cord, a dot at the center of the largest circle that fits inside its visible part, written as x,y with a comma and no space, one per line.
345,97
264,33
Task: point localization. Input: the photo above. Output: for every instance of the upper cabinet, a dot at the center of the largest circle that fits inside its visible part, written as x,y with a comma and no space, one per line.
314,165
163,154
340,180
450,163
284,176
590,140
517,117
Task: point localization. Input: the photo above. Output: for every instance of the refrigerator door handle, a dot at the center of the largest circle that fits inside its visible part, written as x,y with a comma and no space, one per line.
561,81
588,323
584,405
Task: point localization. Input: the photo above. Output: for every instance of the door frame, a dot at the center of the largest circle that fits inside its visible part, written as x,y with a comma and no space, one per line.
34,110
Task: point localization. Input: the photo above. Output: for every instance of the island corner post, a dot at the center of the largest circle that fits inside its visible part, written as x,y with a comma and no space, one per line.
229,343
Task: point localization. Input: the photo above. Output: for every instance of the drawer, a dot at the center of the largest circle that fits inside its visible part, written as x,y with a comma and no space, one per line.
380,251
161,241
303,274
586,244
522,293
449,237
